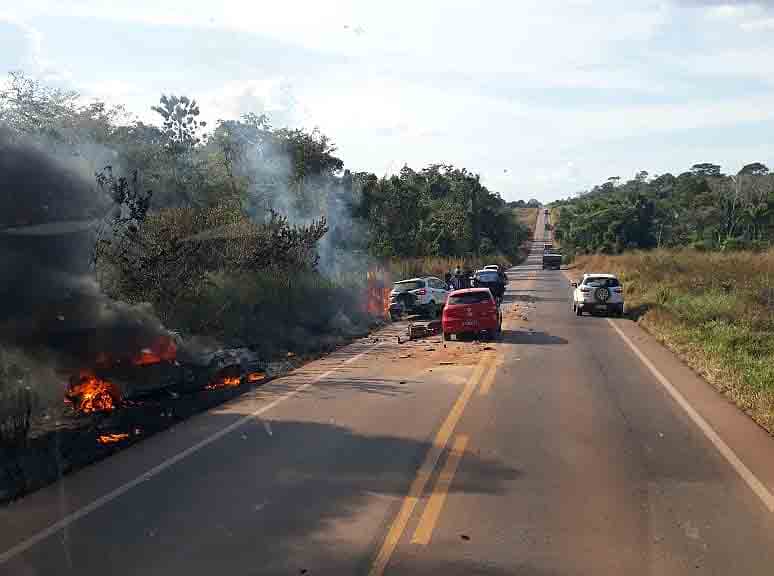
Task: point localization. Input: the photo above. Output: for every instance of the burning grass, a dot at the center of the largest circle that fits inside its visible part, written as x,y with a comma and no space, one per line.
527,216
716,310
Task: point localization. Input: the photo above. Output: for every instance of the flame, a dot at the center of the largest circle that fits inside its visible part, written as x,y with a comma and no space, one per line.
91,394
255,376
224,382
162,350
112,438
378,294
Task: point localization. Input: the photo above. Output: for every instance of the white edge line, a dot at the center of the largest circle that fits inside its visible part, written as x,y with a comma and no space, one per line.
25,545
747,475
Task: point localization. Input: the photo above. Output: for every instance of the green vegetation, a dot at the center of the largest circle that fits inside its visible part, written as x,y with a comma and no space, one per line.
701,208
528,216
716,310
239,231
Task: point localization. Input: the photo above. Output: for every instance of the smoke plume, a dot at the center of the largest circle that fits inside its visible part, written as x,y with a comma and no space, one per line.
49,298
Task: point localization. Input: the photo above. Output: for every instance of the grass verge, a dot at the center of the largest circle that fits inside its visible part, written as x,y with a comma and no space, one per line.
715,310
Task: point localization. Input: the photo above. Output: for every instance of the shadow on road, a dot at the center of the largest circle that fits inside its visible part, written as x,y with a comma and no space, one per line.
535,338
262,500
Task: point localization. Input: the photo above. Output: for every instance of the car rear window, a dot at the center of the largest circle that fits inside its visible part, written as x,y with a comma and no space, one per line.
489,276
408,285
601,282
470,298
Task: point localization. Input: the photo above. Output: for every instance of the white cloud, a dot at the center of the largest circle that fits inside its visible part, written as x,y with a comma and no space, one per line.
556,94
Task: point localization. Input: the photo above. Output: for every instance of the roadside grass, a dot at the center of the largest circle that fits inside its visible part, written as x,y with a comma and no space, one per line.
403,268
715,310
528,216
554,215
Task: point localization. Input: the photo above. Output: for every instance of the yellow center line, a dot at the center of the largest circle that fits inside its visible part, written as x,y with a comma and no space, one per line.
486,383
427,523
423,475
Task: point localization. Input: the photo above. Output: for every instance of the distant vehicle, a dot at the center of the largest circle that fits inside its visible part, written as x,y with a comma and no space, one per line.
547,247
492,279
552,260
545,211
598,292
491,267
471,311
425,295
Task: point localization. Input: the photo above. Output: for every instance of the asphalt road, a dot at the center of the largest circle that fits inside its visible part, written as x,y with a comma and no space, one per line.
557,450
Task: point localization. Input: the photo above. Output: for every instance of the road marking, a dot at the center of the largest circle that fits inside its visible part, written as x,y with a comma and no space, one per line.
427,523
423,475
25,545
725,450
486,383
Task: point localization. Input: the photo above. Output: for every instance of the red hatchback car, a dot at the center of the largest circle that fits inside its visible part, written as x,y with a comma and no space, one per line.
471,311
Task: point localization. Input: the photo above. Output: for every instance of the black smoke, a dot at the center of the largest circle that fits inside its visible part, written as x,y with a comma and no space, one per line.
49,298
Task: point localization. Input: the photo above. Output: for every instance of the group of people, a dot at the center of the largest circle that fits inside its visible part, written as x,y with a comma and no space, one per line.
459,280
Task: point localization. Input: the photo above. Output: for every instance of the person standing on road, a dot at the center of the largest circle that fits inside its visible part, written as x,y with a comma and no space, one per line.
457,278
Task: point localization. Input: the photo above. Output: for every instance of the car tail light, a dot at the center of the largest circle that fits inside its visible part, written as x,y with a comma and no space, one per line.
421,291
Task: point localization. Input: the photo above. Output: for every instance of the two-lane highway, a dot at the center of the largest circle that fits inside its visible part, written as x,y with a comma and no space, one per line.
556,450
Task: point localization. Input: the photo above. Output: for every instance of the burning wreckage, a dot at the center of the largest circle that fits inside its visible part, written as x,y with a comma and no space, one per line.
116,361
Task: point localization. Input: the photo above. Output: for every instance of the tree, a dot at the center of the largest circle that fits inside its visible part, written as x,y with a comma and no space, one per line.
705,169
754,169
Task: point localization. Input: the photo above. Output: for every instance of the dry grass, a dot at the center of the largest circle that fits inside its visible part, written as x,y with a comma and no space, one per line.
403,268
528,216
716,310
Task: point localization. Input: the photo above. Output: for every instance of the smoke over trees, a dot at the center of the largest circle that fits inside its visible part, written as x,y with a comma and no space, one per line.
113,230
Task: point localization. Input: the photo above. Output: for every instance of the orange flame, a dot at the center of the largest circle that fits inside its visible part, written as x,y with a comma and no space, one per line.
255,376
378,295
163,350
112,438
90,394
225,382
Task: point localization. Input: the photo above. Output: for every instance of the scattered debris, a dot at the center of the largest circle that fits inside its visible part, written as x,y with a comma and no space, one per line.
405,356
465,537
446,363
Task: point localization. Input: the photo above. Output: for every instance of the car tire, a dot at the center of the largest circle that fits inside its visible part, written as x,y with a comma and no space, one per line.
446,336
432,311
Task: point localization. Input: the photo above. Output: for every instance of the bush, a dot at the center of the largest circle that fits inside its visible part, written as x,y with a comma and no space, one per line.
273,311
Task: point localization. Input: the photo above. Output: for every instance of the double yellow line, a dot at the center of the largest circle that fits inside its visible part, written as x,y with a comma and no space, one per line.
486,369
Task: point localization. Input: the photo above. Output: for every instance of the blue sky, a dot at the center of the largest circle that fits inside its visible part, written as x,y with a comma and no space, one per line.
542,98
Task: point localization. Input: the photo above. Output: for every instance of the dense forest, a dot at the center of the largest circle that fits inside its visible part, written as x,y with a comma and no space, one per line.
701,208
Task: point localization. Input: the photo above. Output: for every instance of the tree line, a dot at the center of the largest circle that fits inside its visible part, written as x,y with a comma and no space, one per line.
251,233
701,208
247,169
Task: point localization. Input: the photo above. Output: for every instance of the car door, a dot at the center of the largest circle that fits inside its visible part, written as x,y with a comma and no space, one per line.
435,286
